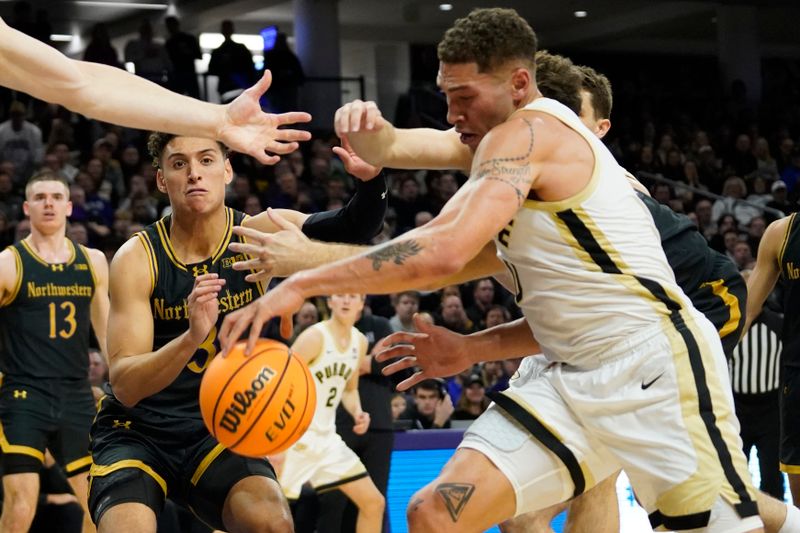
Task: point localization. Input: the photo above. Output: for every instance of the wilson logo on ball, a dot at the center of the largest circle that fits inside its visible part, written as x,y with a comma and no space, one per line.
243,400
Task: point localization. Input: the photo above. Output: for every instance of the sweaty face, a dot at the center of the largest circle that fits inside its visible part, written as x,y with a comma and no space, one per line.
476,101
48,206
194,173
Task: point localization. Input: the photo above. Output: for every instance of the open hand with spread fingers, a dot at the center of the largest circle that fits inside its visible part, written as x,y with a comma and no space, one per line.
434,351
249,130
271,254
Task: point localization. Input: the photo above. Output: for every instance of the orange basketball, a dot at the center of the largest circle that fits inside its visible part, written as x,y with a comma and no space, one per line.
258,405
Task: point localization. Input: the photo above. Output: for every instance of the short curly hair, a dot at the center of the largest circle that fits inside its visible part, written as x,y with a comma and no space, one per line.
558,78
599,87
158,140
488,37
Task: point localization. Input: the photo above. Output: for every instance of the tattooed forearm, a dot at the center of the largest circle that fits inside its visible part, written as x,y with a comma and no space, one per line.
513,171
397,253
455,496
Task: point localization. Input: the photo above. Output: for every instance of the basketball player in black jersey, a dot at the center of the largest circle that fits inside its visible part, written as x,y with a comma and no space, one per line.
51,290
779,257
171,285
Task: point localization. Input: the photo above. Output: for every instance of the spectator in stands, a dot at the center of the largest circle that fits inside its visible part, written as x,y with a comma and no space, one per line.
130,162
21,143
432,406
482,299
238,192
183,49
510,367
742,255
99,49
308,315
149,57
766,166
453,316
496,315
754,233
406,305
473,400
705,223
492,372
112,182
232,63
67,169
759,194
78,232
780,200
662,193
407,201
10,201
287,75
399,405
733,191
741,158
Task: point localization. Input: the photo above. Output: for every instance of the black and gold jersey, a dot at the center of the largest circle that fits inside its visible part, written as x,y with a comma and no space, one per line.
789,262
171,284
45,322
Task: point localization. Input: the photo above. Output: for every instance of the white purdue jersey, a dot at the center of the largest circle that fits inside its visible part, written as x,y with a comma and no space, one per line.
589,270
331,370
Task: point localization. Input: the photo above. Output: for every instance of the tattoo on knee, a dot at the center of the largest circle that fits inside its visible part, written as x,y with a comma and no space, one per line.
455,496
415,504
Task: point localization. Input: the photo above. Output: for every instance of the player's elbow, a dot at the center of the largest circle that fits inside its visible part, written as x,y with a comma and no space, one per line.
122,390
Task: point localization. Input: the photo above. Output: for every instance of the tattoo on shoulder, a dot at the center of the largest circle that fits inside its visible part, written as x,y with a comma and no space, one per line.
396,253
514,171
455,496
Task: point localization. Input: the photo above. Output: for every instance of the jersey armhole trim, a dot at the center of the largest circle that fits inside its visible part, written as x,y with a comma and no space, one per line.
151,259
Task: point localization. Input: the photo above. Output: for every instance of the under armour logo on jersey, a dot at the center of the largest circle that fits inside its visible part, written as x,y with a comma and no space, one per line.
20,394
57,268
383,195
199,270
119,424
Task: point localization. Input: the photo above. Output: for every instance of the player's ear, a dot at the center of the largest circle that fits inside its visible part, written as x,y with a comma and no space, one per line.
520,81
161,183
228,171
602,127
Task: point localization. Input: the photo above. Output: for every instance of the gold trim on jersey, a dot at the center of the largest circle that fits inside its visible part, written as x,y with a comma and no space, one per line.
144,238
693,358
7,447
12,295
89,264
104,470
206,462
163,234
731,302
30,250
78,464
789,469
576,199
786,236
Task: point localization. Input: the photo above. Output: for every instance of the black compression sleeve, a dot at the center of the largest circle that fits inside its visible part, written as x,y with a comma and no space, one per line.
357,222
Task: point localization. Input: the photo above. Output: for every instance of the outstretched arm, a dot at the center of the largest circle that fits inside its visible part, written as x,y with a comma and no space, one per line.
501,178
764,276
376,140
438,352
113,95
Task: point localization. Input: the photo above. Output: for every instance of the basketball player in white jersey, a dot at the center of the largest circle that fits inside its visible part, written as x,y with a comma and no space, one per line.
333,350
637,379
